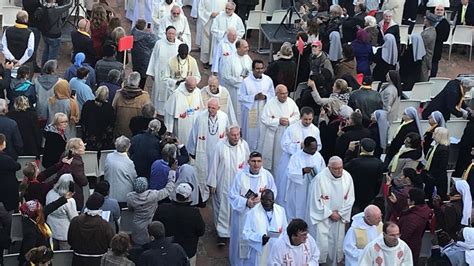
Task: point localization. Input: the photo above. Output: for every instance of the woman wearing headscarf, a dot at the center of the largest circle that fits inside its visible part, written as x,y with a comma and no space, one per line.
335,47
71,72
408,156
410,62
452,216
463,188
348,64
385,58
97,120
187,174
144,202
390,94
378,127
410,124
332,116
62,102
435,120
436,165
363,52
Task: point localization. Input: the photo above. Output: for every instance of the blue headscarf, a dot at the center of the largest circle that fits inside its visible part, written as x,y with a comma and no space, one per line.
79,59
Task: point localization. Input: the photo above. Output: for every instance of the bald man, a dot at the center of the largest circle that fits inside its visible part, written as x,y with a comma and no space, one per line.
18,41
366,226
182,109
82,42
277,115
225,48
215,90
208,129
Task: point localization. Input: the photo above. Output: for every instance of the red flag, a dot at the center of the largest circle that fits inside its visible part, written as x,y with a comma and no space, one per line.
300,45
125,43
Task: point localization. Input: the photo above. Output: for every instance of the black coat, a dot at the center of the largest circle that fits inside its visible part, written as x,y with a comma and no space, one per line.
465,146
162,252
304,63
446,101
27,122
428,139
144,150
399,140
469,19
328,134
438,172
349,27
367,101
442,34
54,146
283,71
367,172
410,71
83,43
381,67
98,125
183,222
351,133
8,182
9,128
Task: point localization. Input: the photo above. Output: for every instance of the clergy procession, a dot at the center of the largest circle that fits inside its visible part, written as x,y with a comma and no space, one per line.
164,133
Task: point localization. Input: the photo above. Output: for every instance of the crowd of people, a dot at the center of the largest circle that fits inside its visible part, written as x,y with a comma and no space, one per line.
303,180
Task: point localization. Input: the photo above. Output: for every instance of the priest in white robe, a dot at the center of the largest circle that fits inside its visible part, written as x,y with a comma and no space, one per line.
233,70
230,157
365,227
255,91
139,9
292,142
208,129
295,247
304,165
387,249
179,68
221,24
277,115
163,51
207,12
179,22
263,226
194,15
225,48
214,90
331,196
244,194
183,108
162,9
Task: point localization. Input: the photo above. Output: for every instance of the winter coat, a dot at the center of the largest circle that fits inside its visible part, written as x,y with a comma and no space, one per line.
76,169
367,101
8,182
44,90
346,67
162,252
54,146
10,129
143,43
128,103
27,122
351,133
97,125
20,87
282,71
71,72
363,55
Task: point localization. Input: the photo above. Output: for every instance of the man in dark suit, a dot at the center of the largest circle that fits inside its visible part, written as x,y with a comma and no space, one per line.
451,100
465,13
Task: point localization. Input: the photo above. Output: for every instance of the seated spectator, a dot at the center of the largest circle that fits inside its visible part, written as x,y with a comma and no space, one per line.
144,202
182,221
151,256
63,102
97,120
107,63
348,63
119,171
82,42
27,122
44,84
409,156
366,100
352,131
89,235
414,221
79,62
55,140
128,103
391,94
146,148
78,85
140,123
22,86
8,183
113,83
363,52
41,255
117,255
143,42
436,166
59,219
281,70
110,204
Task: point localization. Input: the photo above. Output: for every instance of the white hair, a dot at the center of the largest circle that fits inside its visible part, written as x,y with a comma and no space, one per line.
370,21
122,144
334,159
3,107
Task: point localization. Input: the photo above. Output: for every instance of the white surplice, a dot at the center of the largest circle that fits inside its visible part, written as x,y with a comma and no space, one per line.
227,161
160,10
252,109
328,194
259,222
225,103
377,253
183,33
243,182
181,110
202,143
219,28
291,142
271,130
297,189
162,52
180,69
205,9
357,238
139,9
283,253
224,48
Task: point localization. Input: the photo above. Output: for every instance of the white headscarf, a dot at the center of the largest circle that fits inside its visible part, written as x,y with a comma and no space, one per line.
335,47
468,244
439,118
383,125
463,188
187,174
418,46
413,114
389,49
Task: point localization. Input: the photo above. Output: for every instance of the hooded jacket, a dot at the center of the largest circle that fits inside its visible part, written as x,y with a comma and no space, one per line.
143,43
21,87
43,85
128,103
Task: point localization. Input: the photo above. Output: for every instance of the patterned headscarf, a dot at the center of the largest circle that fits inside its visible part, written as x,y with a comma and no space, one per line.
30,209
140,185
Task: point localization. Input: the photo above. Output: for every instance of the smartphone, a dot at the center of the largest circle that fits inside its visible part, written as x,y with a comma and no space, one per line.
69,154
148,26
73,93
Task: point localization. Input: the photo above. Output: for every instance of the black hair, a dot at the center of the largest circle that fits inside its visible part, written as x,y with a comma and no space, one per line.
257,61
103,188
82,72
305,110
308,140
356,118
295,226
417,195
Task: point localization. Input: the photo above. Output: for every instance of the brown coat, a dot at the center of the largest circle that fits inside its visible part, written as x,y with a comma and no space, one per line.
128,103
76,169
347,67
